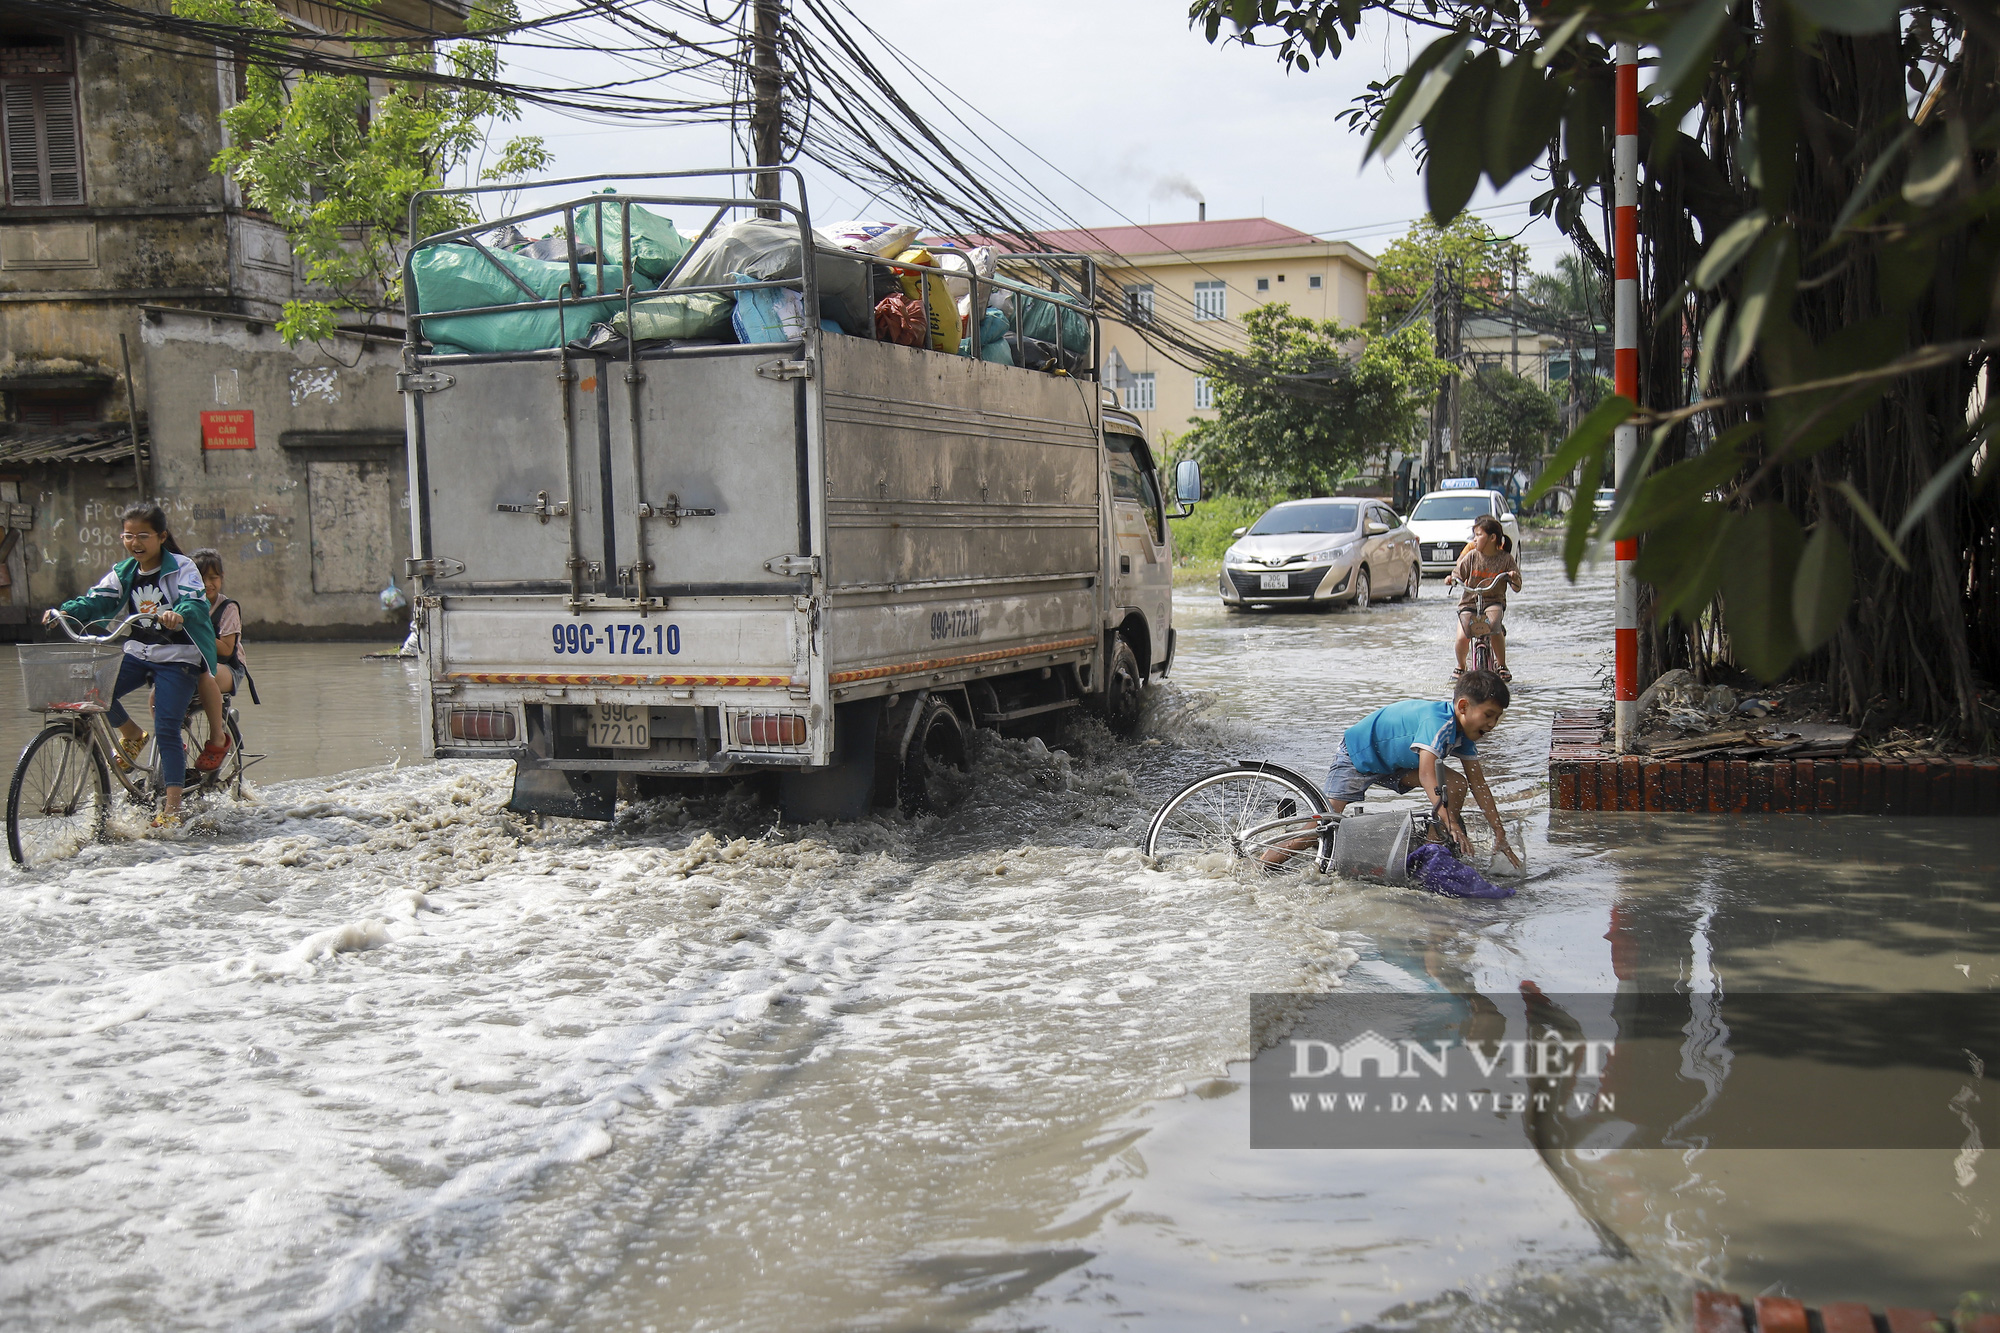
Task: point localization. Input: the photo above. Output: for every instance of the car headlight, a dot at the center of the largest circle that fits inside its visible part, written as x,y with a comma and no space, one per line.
1232,556
1331,554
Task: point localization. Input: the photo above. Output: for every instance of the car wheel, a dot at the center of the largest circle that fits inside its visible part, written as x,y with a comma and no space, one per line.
1416,582
1361,589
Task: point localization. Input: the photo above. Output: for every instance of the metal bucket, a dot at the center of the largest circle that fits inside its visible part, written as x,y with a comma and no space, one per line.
1373,847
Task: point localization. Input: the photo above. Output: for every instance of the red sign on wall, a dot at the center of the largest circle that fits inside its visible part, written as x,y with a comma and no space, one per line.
235,429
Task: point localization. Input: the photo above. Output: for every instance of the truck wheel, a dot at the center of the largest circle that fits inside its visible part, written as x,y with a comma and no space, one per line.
938,741
1121,700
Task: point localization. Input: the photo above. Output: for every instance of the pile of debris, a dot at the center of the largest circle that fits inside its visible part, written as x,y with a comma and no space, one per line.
1680,718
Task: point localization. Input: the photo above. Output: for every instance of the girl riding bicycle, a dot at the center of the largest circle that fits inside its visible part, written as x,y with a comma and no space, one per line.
1484,560
156,580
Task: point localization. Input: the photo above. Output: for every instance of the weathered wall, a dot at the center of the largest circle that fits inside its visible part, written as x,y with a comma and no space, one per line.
311,523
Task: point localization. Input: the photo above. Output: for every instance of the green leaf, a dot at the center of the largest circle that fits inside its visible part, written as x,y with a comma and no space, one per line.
1671,492
1866,513
1941,481
1417,90
1871,178
1592,435
1712,330
1736,241
1452,171
1760,566
1550,49
1684,53
1823,588
1935,165
1576,540
1759,287
1587,131
1683,561
1850,16
1525,112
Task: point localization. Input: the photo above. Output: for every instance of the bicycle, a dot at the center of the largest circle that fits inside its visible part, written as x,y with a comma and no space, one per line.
1265,813
60,797
1479,629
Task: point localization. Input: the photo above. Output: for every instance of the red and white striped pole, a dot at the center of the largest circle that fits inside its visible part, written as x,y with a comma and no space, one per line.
1625,380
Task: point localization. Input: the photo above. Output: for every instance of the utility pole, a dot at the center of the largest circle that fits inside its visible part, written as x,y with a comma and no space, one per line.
1440,440
1514,310
767,105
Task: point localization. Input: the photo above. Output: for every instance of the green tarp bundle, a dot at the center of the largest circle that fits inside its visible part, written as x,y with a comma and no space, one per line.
459,276
657,244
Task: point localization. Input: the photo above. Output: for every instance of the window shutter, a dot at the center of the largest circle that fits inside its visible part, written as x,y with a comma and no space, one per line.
63,147
44,147
20,108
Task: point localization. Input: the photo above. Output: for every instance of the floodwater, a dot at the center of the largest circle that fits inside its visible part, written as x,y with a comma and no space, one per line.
326,708
368,1052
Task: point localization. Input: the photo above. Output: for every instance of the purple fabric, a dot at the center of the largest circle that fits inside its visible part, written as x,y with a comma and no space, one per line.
1433,867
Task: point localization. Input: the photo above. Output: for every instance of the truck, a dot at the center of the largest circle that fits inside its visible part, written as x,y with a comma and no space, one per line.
825,559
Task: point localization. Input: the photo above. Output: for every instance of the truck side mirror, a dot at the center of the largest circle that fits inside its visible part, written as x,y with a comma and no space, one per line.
1187,481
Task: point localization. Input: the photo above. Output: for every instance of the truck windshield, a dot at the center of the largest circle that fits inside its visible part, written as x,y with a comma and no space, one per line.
1435,507
1308,518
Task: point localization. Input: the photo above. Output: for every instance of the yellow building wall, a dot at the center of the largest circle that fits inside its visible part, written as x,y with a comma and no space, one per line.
1342,296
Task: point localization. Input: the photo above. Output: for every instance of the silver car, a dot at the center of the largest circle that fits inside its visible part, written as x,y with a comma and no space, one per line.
1318,552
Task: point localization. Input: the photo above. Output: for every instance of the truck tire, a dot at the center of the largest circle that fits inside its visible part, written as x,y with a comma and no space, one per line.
1121,701
937,739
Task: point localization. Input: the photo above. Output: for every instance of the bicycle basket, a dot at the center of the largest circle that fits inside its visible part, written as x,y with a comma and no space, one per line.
67,676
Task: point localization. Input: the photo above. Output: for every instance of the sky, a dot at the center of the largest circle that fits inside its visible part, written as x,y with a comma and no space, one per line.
1134,113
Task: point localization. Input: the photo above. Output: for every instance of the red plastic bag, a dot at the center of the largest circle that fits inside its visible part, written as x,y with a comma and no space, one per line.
898,319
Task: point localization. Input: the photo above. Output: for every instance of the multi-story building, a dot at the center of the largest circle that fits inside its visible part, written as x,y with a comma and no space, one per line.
120,246
1206,275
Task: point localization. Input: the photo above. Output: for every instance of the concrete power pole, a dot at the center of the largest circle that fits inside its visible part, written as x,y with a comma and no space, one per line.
1514,309
767,106
1455,313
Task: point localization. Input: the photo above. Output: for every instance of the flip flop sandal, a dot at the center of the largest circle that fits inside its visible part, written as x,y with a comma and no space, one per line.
167,821
1504,674
128,752
212,755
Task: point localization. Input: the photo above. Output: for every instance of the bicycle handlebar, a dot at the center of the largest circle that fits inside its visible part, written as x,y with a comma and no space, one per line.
117,631
1487,586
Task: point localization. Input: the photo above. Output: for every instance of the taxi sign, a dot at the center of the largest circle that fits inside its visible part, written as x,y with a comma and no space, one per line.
1459,484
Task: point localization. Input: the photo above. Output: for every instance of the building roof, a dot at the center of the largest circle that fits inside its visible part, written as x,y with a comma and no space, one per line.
1169,237
107,443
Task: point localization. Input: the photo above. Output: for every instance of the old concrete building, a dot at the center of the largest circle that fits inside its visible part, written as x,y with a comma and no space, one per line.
118,241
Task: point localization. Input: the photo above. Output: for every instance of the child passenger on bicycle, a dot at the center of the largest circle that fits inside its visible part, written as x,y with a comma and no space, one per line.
155,580
1403,746
1485,559
230,668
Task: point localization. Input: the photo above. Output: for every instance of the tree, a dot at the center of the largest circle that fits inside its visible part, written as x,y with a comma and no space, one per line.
1573,293
1507,416
1408,265
1295,414
1821,206
337,167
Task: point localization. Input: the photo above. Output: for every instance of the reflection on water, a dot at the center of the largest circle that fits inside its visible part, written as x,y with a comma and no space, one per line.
326,709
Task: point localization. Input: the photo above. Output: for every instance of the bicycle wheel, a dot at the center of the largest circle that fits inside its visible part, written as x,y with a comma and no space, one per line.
195,735
58,799
1213,814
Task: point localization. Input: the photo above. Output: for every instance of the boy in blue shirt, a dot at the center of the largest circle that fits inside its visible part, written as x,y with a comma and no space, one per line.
1402,746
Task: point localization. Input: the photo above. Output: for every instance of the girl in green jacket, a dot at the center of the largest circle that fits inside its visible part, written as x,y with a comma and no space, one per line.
157,580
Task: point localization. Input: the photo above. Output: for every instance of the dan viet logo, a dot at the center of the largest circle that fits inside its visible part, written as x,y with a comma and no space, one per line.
1625,1069
1370,1060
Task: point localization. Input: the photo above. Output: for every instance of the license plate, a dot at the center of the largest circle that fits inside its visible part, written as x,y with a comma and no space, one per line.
620,727
1271,582
1440,553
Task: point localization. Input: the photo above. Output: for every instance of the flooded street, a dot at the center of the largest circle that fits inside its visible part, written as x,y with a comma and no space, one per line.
368,1052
